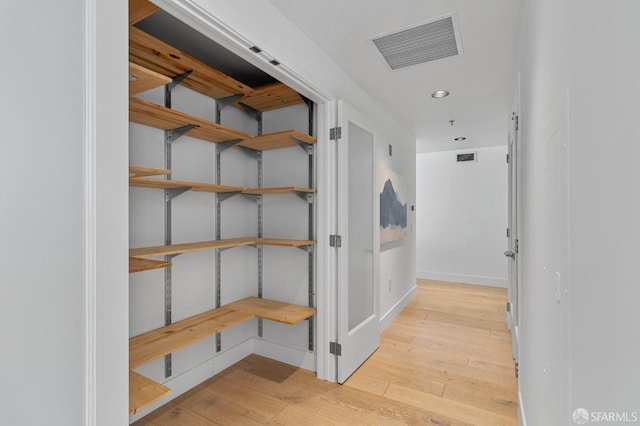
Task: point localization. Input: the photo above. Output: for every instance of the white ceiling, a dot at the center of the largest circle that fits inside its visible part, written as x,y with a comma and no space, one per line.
480,81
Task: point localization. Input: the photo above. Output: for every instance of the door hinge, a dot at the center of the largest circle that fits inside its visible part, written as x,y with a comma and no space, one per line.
335,133
508,233
517,368
507,158
335,348
335,241
517,124
517,246
508,307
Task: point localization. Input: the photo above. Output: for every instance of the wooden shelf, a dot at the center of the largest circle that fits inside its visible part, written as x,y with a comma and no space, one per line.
189,247
163,58
143,182
158,56
277,140
137,264
271,96
165,340
138,171
140,9
142,79
282,242
144,392
166,250
282,190
275,311
150,114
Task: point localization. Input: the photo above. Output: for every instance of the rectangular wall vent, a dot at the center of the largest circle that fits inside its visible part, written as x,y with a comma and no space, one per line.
466,156
437,39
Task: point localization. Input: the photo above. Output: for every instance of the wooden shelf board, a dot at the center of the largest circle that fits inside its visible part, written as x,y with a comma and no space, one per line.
158,56
161,57
275,311
277,140
189,247
137,264
145,252
283,242
143,182
270,96
140,9
138,171
142,79
150,114
144,392
165,340
281,190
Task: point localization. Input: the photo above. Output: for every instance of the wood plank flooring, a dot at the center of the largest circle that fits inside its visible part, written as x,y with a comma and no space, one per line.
445,360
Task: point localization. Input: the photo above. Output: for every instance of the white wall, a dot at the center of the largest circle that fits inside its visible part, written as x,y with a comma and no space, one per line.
580,98
462,217
63,319
397,280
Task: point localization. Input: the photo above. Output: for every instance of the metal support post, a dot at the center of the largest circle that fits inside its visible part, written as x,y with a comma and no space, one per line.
257,115
218,212
260,228
220,197
310,152
169,137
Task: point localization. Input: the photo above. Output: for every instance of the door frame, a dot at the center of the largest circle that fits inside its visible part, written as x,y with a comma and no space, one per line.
514,214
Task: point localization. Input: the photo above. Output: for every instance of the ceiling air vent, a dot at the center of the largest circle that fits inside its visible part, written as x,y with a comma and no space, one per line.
437,39
466,156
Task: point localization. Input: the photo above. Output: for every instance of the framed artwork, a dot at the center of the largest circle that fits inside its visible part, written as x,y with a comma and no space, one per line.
393,206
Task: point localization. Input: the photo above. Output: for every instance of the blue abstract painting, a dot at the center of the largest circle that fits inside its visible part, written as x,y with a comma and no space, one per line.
393,206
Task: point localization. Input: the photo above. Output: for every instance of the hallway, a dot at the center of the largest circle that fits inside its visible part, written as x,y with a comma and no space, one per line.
445,360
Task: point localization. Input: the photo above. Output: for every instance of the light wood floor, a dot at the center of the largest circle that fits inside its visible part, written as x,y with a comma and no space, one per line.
445,360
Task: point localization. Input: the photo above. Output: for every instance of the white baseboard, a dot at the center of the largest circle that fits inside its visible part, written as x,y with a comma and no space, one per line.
292,356
193,377
521,417
388,317
466,279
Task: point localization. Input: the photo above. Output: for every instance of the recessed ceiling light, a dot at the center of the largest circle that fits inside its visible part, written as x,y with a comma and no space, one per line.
440,94
460,139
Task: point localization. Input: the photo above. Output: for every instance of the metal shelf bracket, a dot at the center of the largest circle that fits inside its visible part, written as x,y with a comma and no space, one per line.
173,135
223,146
178,79
305,196
223,196
228,100
171,193
308,148
252,112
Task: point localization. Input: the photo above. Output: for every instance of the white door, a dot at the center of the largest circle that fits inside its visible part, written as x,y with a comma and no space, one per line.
513,252
358,326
